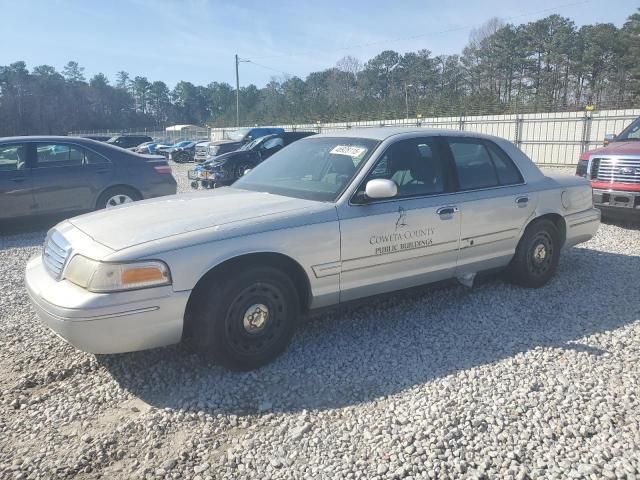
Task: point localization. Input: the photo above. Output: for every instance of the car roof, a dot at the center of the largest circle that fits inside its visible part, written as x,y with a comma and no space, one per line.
46,138
382,133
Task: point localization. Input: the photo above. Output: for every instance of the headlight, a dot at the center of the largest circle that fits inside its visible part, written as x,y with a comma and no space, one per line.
102,277
214,150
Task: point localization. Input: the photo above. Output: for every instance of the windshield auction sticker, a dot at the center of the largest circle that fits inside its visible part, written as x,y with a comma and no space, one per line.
348,150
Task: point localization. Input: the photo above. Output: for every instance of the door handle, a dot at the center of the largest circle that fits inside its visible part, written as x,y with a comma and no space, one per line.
522,202
446,211
18,179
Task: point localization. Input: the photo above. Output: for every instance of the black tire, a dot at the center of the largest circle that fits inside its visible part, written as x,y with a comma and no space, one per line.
248,319
110,193
240,169
537,255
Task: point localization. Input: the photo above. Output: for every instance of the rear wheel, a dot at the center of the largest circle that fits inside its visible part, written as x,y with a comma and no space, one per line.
537,255
117,196
248,320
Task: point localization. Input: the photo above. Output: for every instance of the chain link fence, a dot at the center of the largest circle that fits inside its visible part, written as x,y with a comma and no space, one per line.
549,139
162,134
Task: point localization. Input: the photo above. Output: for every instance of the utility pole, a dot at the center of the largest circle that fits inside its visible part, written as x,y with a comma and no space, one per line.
406,100
237,95
238,60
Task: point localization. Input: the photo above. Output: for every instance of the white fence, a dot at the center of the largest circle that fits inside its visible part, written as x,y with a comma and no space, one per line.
550,139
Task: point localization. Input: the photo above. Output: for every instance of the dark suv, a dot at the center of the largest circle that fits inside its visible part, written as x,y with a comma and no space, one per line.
129,141
67,175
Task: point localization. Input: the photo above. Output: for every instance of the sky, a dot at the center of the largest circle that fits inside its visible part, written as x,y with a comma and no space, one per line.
195,40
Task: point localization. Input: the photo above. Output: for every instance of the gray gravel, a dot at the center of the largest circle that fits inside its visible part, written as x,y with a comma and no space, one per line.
492,382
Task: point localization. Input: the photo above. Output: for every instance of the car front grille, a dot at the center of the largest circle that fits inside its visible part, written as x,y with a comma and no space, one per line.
55,254
616,170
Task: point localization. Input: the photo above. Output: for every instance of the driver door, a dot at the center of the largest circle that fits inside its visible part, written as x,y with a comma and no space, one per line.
407,240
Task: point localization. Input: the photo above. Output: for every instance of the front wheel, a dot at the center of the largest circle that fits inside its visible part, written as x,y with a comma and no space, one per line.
246,321
537,255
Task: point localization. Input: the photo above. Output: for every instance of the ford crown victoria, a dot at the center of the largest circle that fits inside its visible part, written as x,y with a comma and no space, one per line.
329,219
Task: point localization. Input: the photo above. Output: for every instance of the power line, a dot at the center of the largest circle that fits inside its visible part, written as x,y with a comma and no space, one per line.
270,68
412,37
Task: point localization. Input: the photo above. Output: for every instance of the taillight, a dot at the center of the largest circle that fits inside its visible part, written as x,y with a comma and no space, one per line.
162,169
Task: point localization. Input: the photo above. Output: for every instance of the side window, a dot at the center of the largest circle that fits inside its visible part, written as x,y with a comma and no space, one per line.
58,155
12,157
508,173
415,165
272,143
473,164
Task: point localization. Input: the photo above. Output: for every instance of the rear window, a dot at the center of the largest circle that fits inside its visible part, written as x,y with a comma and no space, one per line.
473,164
482,164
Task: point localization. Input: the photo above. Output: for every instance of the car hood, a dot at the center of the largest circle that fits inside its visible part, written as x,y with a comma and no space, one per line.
171,216
619,148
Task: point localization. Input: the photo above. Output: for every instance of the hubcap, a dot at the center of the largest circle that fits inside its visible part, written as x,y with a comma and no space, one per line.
540,253
118,200
255,318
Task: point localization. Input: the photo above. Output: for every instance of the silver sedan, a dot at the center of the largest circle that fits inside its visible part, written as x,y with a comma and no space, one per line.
329,219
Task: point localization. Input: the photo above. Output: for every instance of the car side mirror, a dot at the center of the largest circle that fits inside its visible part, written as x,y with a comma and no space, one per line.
609,137
380,188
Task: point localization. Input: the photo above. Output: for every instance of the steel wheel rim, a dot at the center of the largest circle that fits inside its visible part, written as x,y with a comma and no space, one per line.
540,255
244,339
117,200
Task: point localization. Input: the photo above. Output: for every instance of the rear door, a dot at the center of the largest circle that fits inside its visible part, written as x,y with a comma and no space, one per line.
494,202
16,196
67,177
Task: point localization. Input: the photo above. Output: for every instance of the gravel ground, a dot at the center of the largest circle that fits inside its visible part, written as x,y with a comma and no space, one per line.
490,382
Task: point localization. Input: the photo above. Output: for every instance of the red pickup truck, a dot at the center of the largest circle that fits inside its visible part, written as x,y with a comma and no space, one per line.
614,171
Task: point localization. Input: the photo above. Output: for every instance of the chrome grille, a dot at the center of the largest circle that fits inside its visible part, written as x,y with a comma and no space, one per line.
55,254
616,170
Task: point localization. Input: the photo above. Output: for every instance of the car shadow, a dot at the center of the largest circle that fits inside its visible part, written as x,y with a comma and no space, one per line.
626,223
389,344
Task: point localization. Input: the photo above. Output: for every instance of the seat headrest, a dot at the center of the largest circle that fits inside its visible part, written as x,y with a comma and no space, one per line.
342,164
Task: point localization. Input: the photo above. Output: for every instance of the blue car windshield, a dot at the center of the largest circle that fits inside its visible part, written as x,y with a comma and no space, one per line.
182,144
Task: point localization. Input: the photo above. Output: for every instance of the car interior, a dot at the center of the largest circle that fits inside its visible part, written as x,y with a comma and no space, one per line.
12,158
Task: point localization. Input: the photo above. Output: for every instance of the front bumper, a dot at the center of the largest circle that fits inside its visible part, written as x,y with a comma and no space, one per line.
106,323
624,202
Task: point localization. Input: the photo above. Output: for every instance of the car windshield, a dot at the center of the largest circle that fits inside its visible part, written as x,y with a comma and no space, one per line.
182,144
632,132
239,134
254,143
313,169
113,139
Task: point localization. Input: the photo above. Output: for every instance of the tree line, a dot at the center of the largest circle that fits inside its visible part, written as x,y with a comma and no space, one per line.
545,65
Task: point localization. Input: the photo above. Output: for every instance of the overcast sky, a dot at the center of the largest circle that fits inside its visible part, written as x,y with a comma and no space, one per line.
195,40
